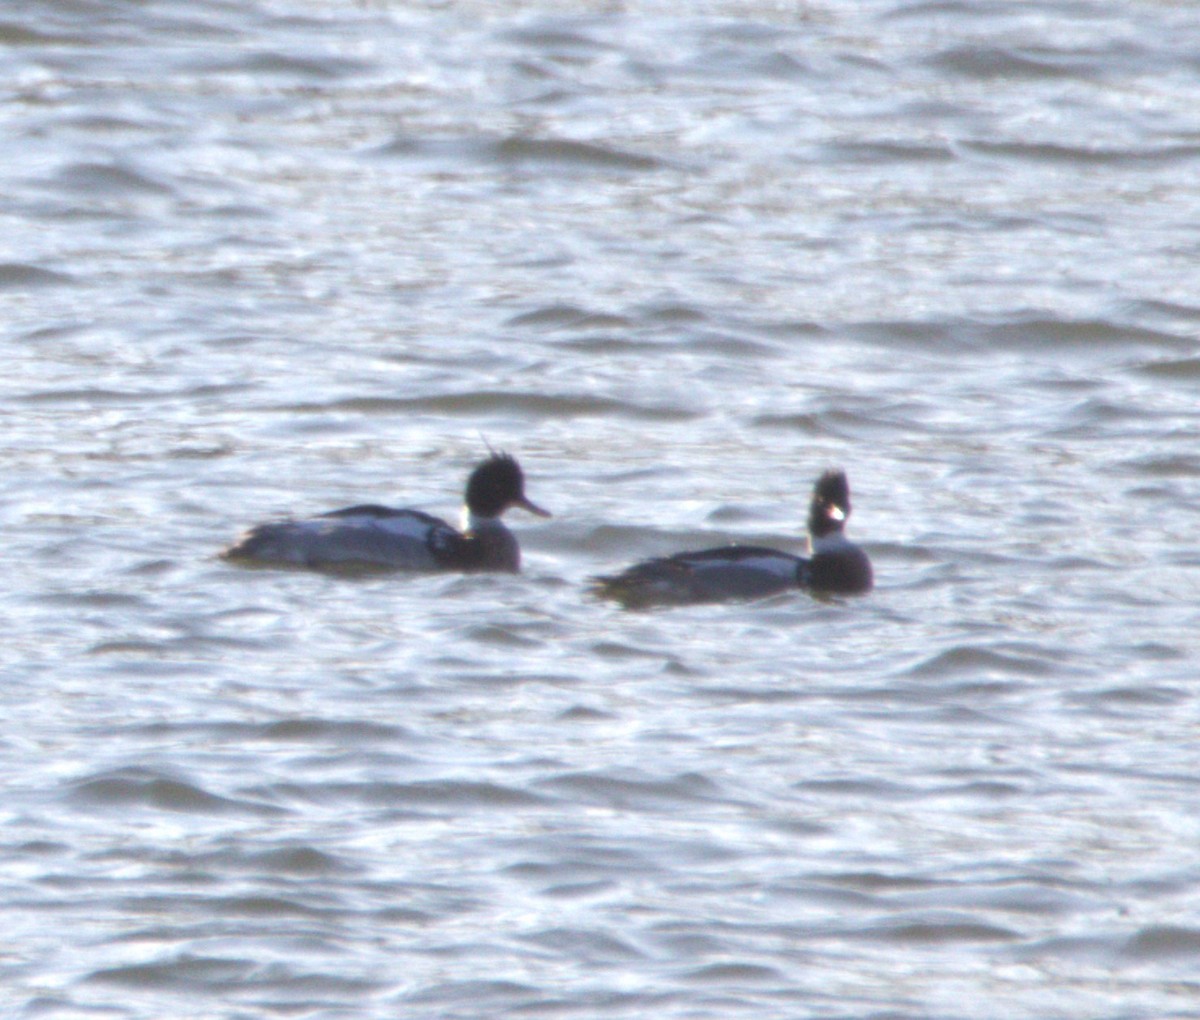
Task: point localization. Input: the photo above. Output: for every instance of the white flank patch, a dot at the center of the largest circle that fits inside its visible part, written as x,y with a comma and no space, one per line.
402,526
781,566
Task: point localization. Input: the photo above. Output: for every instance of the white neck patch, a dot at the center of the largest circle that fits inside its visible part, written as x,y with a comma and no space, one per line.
833,542
471,522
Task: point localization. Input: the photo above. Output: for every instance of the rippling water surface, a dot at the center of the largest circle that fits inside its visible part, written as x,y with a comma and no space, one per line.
285,255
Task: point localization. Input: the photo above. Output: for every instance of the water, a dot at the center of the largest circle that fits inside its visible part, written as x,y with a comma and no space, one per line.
274,257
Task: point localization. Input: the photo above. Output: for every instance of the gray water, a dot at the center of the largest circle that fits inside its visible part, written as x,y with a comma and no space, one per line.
281,256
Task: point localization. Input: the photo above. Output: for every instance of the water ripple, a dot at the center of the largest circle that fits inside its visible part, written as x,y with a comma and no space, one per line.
267,258
142,788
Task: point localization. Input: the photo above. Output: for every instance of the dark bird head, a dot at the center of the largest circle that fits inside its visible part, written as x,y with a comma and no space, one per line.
496,485
830,506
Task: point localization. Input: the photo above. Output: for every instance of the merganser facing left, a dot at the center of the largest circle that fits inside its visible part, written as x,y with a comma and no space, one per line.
378,536
835,564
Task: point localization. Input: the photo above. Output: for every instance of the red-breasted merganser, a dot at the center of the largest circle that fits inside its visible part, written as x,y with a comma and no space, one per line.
378,536
835,565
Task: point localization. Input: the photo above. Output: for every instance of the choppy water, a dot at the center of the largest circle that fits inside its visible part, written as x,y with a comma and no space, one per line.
288,255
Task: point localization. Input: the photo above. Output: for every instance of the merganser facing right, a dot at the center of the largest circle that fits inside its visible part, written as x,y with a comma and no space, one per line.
835,564
382,538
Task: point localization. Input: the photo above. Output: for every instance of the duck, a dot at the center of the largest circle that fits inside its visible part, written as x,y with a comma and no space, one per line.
835,565
380,537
